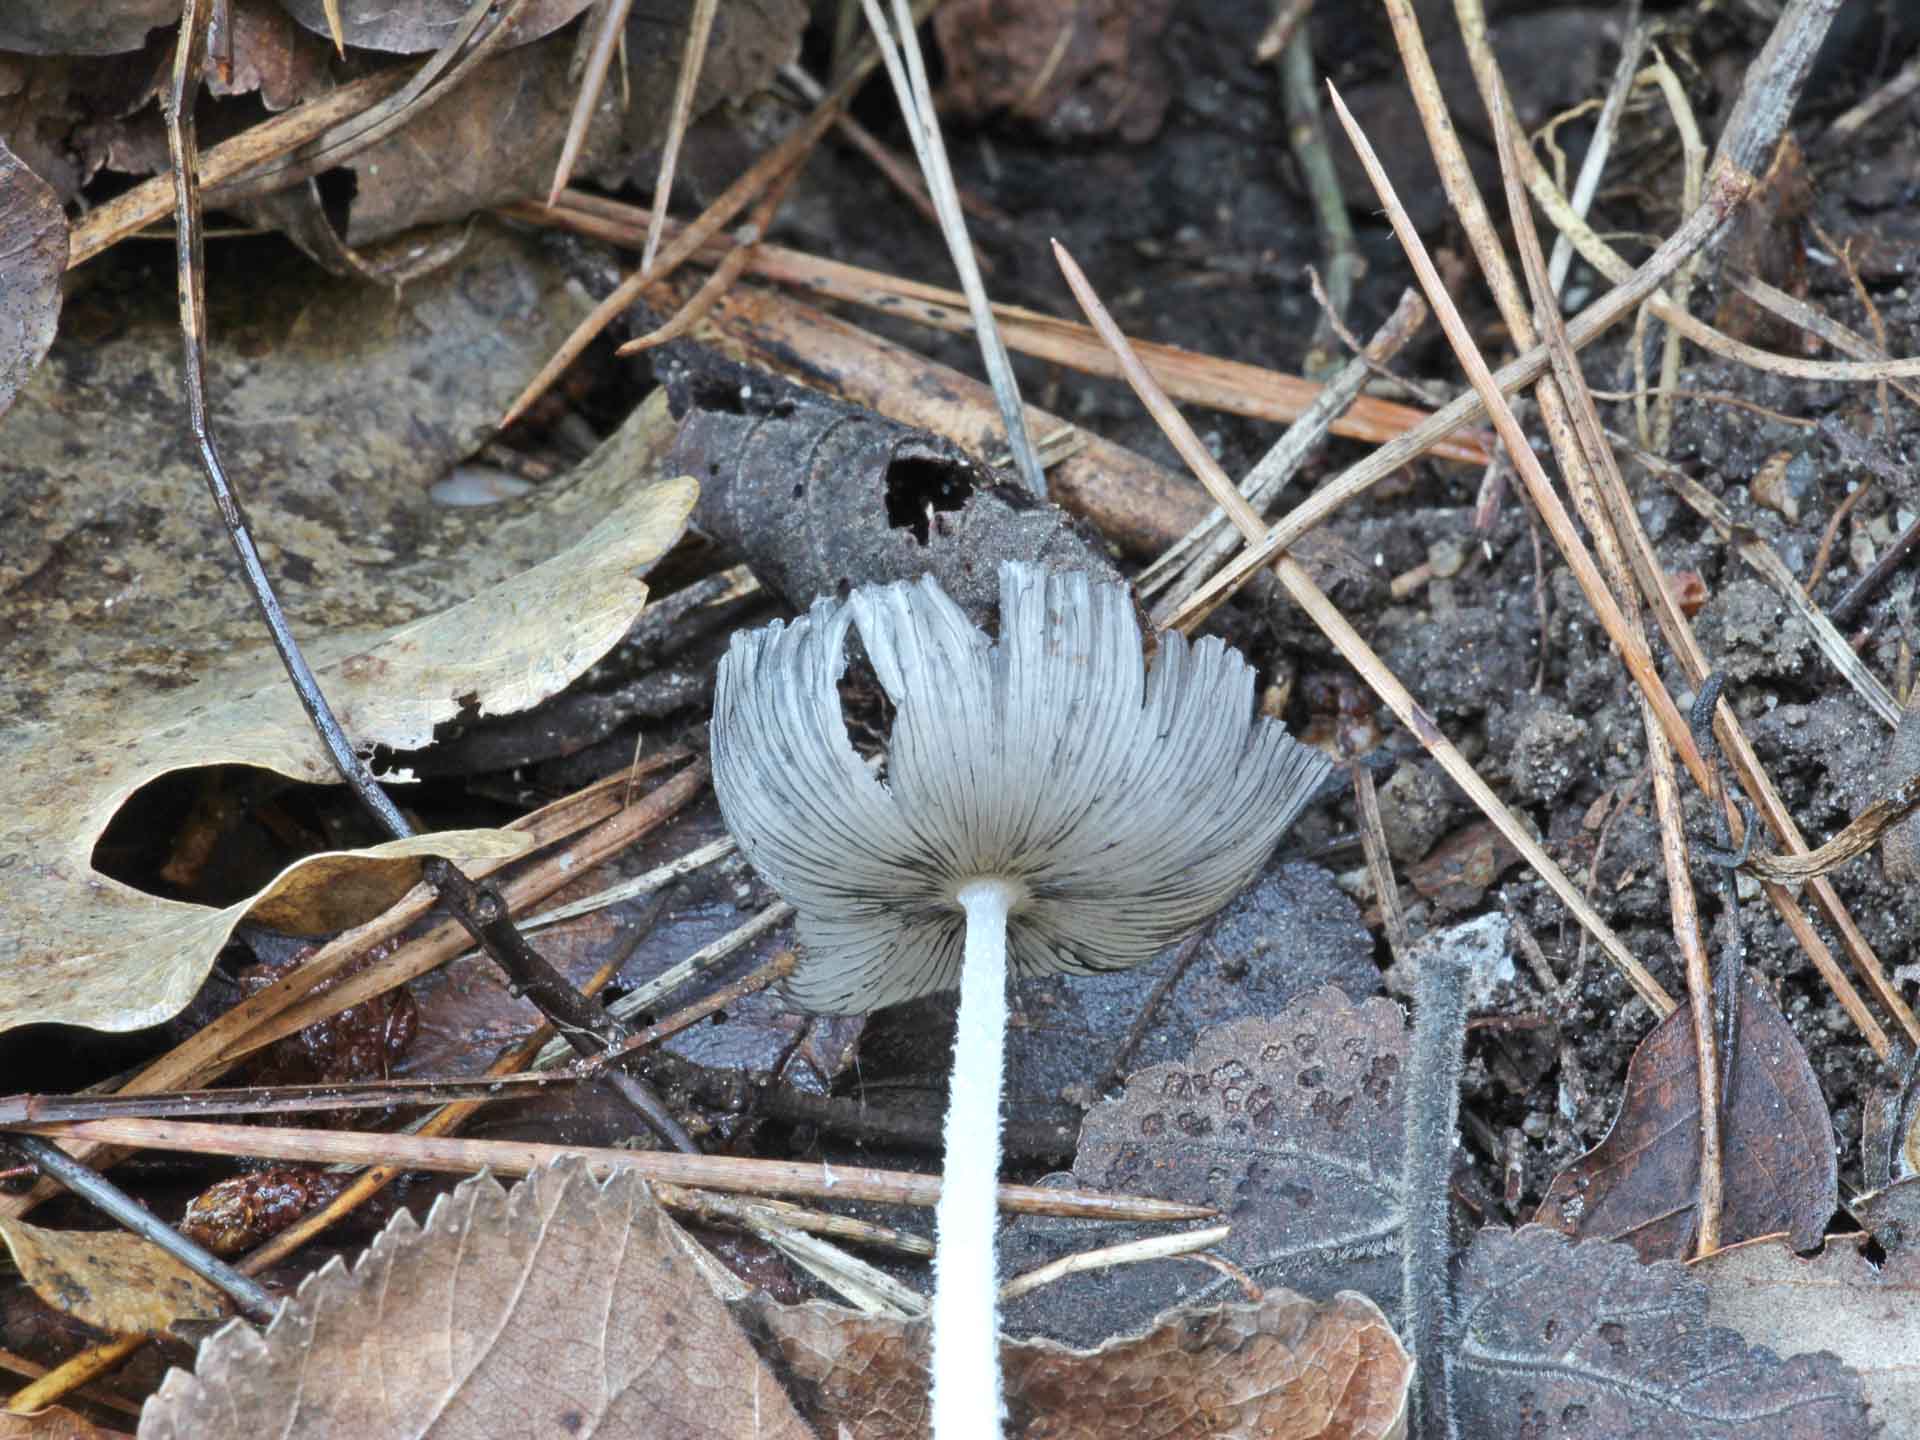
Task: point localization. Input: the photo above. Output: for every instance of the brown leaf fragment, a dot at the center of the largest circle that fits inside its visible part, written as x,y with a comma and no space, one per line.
33,255
272,57
1286,1366
1559,1339
1291,1126
1078,70
1639,1184
1461,868
557,1308
1868,1314
99,27
422,25
498,138
110,1279
54,1424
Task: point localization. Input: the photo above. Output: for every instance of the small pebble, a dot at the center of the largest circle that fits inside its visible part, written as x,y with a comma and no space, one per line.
474,485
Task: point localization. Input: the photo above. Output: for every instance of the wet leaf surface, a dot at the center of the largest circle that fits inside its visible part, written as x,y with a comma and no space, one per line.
559,1307
33,255
110,1279
1291,1126
1285,1366
1640,1183
1865,1312
1555,1338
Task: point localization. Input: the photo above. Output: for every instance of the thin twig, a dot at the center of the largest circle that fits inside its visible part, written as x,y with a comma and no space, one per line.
1633,44
1133,1252
253,1299
1307,137
692,59
1373,840
906,69
1197,378
478,908
715,218
515,1158
612,20
1584,455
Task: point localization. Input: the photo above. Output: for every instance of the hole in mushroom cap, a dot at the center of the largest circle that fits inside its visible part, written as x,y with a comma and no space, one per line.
918,485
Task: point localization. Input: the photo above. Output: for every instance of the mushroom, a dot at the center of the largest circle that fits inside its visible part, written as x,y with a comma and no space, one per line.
1049,804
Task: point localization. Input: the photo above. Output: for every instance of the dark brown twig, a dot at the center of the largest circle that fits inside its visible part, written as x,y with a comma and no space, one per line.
479,909
253,1299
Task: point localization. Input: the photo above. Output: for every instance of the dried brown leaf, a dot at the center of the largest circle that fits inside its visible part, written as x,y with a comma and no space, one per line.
54,1424
1554,1338
1640,1183
33,256
1078,71
1868,1314
1293,1127
559,1307
100,27
131,652
272,57
110,1279
422,25
497,140
1286,1366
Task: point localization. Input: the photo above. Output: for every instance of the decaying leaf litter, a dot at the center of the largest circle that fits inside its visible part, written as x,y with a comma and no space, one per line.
1405,563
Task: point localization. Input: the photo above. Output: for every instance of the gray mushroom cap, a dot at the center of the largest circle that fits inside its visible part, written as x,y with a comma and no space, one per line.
1128,805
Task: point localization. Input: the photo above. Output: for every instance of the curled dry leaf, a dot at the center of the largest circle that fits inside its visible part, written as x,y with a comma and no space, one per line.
1554,1338
33,256
559,1307
135,652
110,1279
1640,1183
818,495
1285,1366
1868,1314
1292,1127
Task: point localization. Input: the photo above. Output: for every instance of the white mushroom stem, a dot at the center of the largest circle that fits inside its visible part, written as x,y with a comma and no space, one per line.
966,1322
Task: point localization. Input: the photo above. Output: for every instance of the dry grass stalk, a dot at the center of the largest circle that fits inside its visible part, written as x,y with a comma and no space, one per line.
692,59
716,217
609,27
732,1174
1357,652
1638,661
1584,453
208,1053
1230,385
